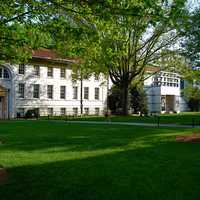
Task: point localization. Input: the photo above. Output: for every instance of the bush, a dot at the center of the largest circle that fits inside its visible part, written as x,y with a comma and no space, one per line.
32,114
139,100
192,95
114,100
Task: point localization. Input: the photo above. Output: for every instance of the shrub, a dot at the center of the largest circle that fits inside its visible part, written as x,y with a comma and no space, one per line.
32,113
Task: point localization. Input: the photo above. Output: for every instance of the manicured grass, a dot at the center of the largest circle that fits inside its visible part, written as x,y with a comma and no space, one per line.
58,161
182,118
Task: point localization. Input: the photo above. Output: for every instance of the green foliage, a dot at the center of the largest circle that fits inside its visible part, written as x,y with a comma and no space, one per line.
119,38
138,100
20,30
32,114
127,44
191,43
114,100
192,94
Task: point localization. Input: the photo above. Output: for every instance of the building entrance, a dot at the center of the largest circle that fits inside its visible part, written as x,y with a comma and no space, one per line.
1,113
3,103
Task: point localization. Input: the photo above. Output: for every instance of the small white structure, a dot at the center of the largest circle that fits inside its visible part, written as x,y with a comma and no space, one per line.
45,84
164,93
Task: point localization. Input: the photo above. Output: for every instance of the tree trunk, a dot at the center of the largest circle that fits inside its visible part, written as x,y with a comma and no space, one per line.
125,99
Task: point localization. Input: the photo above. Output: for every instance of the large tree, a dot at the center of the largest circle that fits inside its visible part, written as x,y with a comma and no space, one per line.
121,38
128,43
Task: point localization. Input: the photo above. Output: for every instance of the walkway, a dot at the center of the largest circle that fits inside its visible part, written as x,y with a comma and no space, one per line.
134,124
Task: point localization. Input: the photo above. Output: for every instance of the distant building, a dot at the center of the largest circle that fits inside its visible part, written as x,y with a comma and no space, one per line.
164,93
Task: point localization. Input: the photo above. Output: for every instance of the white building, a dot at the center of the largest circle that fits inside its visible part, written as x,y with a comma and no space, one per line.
45,83
164,93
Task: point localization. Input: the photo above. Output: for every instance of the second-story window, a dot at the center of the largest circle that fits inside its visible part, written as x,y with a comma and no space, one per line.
21,90
36,91
62,92
50,72
62,73
86,92
21,69
96,77
36,69
50,91
75,92
96,93
4,73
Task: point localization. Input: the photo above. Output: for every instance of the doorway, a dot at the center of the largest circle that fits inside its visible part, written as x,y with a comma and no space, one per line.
1,108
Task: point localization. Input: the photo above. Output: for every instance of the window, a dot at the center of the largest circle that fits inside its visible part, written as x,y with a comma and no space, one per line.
50,72
36,69
86,76
96,77
97,111
50,91
75,111
86,111
36,91
21,90
169,80
62,92
62,73
4,73
96,95
182,84
63,111
86,92
50,111
21,68
75,92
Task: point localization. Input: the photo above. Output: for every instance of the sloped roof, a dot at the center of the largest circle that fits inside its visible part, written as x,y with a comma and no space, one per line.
52,56
44,53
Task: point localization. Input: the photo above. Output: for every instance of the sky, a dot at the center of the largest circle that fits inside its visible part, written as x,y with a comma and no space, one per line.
192,4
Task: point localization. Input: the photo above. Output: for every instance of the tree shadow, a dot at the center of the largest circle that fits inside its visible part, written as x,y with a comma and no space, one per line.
166,171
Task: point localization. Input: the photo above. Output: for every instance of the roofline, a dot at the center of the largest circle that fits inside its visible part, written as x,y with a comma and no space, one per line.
53,61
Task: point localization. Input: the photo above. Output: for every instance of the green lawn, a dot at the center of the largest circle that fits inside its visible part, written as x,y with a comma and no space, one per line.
182,118
55,160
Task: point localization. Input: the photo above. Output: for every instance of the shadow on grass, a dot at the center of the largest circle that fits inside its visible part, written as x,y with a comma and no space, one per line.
166,171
